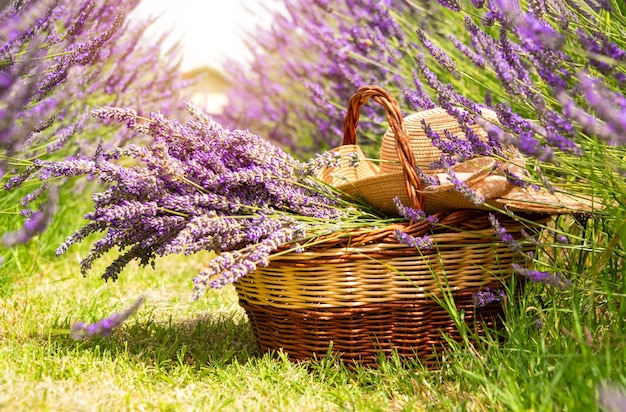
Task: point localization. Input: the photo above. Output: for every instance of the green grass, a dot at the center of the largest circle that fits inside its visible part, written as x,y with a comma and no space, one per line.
179,354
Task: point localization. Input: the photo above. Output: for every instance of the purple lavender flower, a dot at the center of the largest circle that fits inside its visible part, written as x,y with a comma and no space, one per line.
336,51
454,149
527,54
530,238
463,188
529,28
59,57
522,135
433,220
408,212
517,180
442,58
327,159
561,238
198,187
537,276
37,221
477,59
106,326
609,106
487,296
588,122
230,266
419,242
353,159
504,236
601,49
418,98
451,4
428,179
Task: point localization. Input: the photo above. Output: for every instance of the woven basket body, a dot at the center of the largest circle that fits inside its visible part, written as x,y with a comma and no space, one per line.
377,297
366,294
362,334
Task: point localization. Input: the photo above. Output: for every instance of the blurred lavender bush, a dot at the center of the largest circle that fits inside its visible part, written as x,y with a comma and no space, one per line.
58,60
306,66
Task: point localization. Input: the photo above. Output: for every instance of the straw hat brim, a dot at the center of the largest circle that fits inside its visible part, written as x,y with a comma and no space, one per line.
380,190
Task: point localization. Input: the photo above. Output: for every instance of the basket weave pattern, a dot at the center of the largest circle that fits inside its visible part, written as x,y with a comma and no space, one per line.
365,293
375,297
360,334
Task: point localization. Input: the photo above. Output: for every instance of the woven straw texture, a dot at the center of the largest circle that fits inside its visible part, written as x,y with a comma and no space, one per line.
362,292
367,271
360,335
365,295
421,145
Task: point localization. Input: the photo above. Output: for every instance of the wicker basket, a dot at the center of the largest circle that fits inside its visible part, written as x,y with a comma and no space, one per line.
365,293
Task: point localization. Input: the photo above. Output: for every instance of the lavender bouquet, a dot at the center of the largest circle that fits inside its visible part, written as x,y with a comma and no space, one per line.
199,186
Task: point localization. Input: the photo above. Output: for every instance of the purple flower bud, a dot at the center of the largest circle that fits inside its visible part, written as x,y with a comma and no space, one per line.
543,277
419,242
484,297
504,236
462,187
105,327
36,223
408,212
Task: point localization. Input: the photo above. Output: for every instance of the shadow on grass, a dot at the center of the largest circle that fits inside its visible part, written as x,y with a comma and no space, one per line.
208,340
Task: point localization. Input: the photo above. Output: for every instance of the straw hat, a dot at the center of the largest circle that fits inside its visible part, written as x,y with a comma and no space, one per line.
406,145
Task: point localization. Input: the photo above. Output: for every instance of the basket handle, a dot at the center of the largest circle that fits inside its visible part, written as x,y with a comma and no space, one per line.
396,122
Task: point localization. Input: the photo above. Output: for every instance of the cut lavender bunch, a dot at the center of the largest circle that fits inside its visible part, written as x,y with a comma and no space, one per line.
547,278
105,327
199,186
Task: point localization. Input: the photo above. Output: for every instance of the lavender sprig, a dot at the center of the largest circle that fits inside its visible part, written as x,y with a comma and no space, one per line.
37,221
486,296
504,236
461,187
419,242
106,326
407,212
537,276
